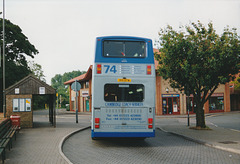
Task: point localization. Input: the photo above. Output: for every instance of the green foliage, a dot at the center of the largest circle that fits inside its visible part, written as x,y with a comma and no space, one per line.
17,44
36,69
57,82
197,59
17,47
237,84
39,101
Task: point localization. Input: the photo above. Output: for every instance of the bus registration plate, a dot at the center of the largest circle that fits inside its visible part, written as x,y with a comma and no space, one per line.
124,80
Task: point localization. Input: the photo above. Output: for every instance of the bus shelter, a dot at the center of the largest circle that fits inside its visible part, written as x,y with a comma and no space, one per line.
20,98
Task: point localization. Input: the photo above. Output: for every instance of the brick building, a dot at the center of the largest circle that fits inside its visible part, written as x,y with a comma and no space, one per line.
84,95
235,96
173,101
168,100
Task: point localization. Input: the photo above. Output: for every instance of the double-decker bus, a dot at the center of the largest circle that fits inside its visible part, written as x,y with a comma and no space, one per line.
123,93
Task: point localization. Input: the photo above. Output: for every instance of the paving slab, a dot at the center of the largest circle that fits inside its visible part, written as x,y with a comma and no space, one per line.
41,143
217,137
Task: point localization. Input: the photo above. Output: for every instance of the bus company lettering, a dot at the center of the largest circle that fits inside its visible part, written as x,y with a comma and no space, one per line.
114,104
124,104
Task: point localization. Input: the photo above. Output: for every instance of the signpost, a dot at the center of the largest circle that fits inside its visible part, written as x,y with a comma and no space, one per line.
76,86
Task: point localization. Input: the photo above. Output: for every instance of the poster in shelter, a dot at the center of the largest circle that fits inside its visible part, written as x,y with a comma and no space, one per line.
22,105
28,105
15,105
41,90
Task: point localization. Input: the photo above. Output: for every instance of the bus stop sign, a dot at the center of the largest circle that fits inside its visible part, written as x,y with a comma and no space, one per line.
76,86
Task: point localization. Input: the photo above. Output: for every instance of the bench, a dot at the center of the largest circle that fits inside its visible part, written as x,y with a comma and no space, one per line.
7,132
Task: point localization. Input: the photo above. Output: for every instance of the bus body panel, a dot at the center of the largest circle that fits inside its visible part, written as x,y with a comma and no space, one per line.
123,134
116,118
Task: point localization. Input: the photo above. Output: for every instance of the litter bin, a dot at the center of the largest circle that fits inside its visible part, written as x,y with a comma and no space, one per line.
15,120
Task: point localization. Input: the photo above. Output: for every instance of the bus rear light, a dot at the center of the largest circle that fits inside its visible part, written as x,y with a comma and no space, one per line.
150,123
97,126
149,70
99,69
150,120
97,123
97,120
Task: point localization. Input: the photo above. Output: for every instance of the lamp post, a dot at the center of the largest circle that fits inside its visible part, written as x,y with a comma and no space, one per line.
188,109
0,50
4,96
188,103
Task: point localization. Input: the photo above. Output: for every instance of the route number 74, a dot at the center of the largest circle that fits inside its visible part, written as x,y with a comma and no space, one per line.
110,68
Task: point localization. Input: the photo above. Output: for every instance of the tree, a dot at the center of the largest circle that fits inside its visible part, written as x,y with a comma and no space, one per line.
57,82
198,60
36,69
237,84
17,47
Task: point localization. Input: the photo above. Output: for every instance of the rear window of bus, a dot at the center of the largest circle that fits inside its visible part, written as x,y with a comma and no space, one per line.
124,49
124,93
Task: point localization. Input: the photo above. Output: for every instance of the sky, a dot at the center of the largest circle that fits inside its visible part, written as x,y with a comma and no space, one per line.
64,31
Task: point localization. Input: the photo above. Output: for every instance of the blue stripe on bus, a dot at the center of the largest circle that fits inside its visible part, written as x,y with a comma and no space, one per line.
122,60
122,38
123,134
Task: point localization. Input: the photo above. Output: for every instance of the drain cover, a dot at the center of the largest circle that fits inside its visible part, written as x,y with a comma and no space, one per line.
228,142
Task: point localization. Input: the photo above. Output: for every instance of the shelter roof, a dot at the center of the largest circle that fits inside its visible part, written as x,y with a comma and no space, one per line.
30,85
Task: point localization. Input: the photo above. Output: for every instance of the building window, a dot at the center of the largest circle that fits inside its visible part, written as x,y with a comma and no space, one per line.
216,102
87,84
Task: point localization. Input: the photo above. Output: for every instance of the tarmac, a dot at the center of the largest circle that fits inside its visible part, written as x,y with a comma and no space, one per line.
43,143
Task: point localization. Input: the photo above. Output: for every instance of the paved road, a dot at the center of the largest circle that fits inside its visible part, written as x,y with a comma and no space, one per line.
165,148
231,120
41,145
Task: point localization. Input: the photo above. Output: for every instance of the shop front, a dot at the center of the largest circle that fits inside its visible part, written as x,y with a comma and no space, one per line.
171,104
216,103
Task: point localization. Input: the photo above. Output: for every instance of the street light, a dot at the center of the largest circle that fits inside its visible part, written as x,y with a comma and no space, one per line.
187,92
0,49
4,96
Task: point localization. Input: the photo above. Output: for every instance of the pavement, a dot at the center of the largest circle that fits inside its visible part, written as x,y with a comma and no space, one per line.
43,143
217,137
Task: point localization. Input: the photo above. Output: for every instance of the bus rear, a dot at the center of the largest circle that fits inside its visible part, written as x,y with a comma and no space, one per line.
123,91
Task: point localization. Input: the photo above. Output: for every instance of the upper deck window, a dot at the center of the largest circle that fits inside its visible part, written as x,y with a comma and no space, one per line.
124,49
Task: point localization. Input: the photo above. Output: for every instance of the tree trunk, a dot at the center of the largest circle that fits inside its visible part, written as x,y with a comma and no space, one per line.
200,117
